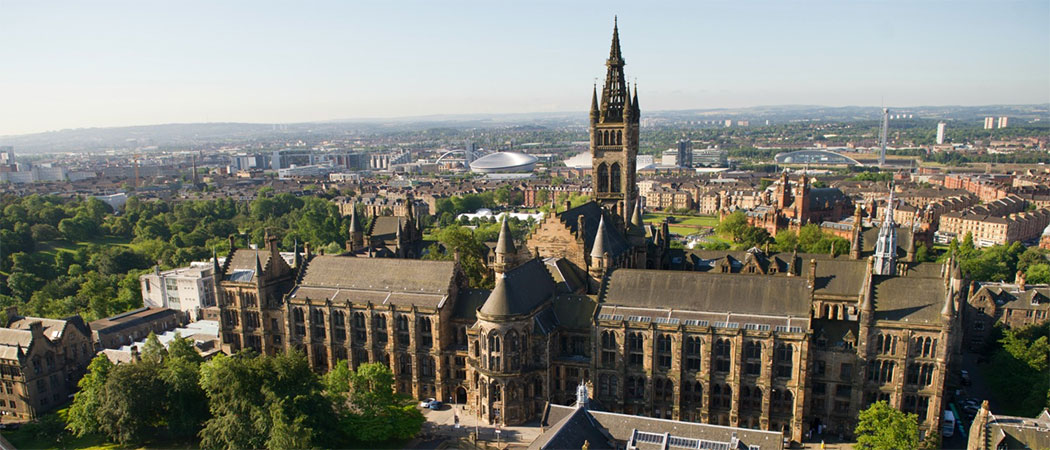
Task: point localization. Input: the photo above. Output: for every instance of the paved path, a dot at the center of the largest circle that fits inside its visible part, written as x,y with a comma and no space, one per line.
442,423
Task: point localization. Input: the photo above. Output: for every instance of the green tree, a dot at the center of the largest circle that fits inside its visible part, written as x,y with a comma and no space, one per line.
131,402
1038,273
287,432
786,241
83,413
153,351
185,402
881,427
733,224
377,412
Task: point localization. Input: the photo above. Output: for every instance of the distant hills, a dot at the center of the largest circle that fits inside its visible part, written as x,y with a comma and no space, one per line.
204,135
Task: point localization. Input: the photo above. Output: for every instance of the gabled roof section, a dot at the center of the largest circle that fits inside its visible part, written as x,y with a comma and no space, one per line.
615,242
385,227
241,267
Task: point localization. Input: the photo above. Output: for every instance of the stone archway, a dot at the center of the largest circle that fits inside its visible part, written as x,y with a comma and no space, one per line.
461,395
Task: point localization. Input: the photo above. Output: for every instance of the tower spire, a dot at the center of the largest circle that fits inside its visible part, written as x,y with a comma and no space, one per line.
594,104
614,94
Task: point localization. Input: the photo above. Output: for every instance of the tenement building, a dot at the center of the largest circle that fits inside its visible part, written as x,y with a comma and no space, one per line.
780,342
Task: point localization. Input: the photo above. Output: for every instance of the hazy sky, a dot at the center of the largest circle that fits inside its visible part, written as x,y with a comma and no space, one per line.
105,63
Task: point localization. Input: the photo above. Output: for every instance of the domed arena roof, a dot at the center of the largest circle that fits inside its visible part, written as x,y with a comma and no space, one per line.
503,162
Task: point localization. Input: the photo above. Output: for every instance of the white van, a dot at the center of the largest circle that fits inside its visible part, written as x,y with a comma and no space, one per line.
948,426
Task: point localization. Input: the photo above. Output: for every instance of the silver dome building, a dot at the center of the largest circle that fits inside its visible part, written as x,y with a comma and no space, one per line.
503,162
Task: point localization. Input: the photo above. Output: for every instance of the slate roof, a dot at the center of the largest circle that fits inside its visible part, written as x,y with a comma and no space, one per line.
53,328
241,266
385,227
574,429
615,242
131,318
376,280
602,429
870,237
1019,432
520,291
710,292
818,197
1009,295
575,311
839,276
908,299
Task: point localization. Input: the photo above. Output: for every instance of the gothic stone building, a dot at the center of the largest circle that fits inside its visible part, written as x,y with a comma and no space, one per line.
779,342
41,361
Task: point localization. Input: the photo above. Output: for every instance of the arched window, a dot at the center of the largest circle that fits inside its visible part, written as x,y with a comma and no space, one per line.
496,391
693,354
512,341
602,183
723,355
619,137
783,358
614,178
404,365
300,321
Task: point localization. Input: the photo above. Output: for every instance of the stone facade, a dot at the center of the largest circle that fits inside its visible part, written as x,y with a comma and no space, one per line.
41,361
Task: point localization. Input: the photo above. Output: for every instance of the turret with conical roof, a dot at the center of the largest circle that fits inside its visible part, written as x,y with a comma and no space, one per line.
357,235
505,250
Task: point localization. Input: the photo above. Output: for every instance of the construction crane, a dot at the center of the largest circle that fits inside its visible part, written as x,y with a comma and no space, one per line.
882,136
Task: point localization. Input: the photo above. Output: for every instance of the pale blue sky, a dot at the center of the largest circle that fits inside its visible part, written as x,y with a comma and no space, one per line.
68,64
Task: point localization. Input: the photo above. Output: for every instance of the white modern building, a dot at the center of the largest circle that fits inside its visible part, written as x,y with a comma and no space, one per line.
186,289
940,133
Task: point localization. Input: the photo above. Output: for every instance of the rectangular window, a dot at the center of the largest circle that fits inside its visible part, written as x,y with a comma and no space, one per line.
846,372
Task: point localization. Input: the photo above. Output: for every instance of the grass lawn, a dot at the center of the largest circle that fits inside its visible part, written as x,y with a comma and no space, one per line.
696,221
27,439
53,247
684,231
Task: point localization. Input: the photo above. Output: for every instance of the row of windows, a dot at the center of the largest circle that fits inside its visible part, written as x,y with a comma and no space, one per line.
723,354
380,335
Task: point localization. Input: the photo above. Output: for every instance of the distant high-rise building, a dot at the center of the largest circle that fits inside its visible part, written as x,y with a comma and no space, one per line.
989,123
729,123
940,133
1002,121
7,154
468,152
685,153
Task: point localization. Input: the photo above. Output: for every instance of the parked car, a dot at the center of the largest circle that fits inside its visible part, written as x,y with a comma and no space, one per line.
965,376
435,405
426,403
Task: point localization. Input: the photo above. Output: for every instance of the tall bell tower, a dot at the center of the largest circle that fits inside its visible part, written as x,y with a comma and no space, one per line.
614,137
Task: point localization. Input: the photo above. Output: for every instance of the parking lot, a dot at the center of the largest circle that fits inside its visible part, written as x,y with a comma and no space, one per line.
967,401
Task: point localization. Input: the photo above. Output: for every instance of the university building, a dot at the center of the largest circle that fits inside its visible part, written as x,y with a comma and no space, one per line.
776,342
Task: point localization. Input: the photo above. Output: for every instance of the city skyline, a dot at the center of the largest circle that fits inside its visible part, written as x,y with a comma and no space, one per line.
120,64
